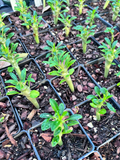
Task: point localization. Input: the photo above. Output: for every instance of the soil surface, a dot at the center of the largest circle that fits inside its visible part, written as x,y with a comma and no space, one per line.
74,146
93,156
82,84
116,93
111,150
23,150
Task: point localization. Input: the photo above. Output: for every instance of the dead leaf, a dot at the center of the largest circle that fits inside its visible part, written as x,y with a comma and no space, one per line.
45,9
31,115
46,136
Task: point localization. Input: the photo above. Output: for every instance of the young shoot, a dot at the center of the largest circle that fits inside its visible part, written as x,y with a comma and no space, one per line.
44,3
2,17
106,4
110,54
111,30
80,5
53,49
85,32
22,88
99,102
34,22
67,21
62,62
1,120
115,9
91,16
55,6
23,9
60,123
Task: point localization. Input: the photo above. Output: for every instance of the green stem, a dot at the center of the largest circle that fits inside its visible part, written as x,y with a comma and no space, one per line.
56,18
68,3
60,140
97,114
44,4
36,35
84,45
67,31
114,17
80,9
33,101
107,67
26,22
106,4
112,37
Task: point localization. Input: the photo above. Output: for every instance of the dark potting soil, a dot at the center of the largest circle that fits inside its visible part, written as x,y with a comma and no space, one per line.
24,106
12,29
9,118
2,91
23,150
92,52
22,29
31,68
97,72
116,93
83,87
37,49
99,131
93,156
46,68
6,21
111,150
74,146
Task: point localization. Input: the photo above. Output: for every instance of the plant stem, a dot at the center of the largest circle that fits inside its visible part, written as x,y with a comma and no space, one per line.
106,4
56,18
84,45
67,31
60,140
44,4
36,36
33,101
80,9
107,67
114,17
26,22
97,114
68,3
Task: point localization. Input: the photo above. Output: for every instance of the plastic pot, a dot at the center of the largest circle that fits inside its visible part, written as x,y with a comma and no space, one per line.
8,111
9,4
91,156
86,140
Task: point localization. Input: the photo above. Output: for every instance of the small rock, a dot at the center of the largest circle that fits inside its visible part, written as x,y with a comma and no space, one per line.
91,85
90,125
2,154
79,88
74,97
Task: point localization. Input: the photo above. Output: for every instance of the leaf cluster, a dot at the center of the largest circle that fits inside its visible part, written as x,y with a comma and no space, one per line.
60,122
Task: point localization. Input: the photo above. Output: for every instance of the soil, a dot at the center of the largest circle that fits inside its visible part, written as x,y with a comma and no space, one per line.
7,21
111,150
92,52
73,146
83,87
31,68
14,30
99,131
2,91
9,118
45,67
22,29
97,72
23,150
116,93
24,107
93,156
35,49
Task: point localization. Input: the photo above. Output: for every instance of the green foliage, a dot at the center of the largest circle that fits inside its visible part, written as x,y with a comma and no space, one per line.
66,20
106,4
54,49
118,74
110,54
2,17
62,63
111,30
98,102
56,6
1,120
115,9
85,32
60,123
22,87
80,5
91,16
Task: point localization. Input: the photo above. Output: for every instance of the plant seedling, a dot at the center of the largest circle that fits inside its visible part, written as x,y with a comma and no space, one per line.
106,4
55,6
44,3
85,32
2,17
22,88
115,9
80,5
62,62
60,123
23,9
53,49
91,16
1,120
110,54
66,20
34,22
111,30
98,102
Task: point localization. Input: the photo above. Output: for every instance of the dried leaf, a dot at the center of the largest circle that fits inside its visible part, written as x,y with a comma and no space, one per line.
46,136
31,115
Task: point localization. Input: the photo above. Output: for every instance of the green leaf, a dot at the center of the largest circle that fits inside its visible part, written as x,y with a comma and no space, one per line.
12,92
93,105
11,81
55,141
13,76
54,125
67,131
97,90
10,69
118,84
54,105
34,94
23,74
104,91
90,97
110,107
45,115
63,80
61,108
46,124
71,71
72,123
102,111
57,131
74,117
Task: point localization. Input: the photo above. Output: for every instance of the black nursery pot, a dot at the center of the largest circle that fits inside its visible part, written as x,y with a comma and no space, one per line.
31,68
95,155
10,118
24,108
24,149
32,47
75,145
